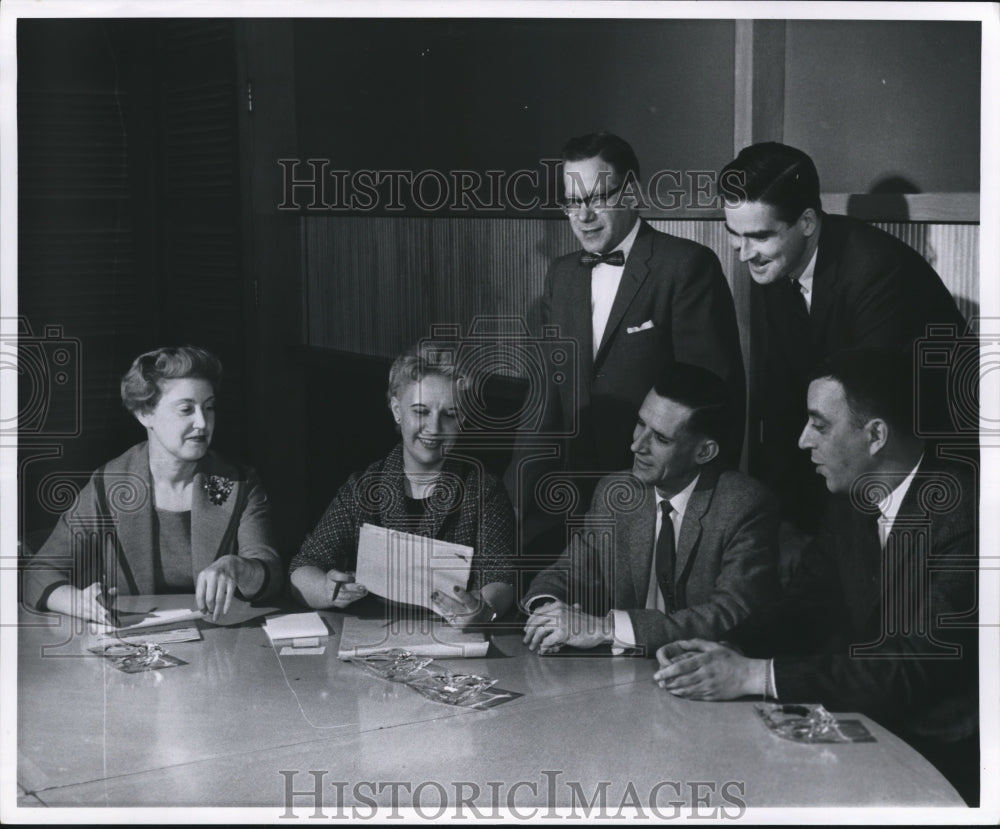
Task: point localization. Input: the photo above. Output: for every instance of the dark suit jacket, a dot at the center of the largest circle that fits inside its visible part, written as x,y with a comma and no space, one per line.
869,289
674,284
119,498
892,634
725,560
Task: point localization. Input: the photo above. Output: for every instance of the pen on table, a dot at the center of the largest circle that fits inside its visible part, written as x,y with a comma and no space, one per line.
106,599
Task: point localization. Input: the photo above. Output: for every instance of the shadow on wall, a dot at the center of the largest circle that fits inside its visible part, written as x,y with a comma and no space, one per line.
886,203
887,198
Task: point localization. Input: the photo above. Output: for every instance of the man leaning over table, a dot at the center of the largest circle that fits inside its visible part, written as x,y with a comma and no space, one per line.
680,546
881,615
826,283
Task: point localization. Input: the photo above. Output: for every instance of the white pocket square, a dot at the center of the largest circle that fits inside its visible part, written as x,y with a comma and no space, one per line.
635,329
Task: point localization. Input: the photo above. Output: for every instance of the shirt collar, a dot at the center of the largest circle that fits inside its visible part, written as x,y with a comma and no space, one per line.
679,501
625,245
889,506
806,279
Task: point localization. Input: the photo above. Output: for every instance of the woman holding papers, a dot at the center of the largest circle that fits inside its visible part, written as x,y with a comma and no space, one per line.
417,489
169,515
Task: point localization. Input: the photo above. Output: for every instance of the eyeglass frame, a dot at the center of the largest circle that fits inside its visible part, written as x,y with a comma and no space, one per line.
575,207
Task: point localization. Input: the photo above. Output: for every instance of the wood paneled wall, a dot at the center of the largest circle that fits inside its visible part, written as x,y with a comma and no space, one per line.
375,285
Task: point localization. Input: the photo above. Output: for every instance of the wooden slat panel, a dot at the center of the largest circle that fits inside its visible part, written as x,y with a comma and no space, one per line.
953,251
375,285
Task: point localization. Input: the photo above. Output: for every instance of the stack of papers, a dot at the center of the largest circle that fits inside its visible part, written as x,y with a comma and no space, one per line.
161,618
139,637
295,626
361,637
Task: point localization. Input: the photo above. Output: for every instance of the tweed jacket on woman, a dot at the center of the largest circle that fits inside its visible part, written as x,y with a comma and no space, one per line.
467,506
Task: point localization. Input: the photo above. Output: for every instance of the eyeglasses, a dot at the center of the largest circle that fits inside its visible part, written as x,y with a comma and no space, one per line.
598,202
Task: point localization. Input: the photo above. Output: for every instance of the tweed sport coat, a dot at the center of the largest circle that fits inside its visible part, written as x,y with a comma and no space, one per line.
725,566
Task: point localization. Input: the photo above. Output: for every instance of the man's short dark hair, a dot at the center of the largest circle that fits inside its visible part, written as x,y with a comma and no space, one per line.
614,150
778,175
877,383
704,394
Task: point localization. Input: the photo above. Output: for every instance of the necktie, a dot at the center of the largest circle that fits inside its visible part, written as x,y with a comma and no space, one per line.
798,301
665,555
616,257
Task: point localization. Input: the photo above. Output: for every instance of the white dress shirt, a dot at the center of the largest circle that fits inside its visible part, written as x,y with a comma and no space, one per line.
604,280
806,280
888,508
624,633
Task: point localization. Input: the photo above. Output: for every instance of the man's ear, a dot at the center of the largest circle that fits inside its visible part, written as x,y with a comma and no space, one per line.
808,221
877,432
708,450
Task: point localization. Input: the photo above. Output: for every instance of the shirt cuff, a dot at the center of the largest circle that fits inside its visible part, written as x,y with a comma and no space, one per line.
771,690
532,604
624,633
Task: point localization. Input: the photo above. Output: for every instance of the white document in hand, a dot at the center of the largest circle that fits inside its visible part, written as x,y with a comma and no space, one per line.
407,568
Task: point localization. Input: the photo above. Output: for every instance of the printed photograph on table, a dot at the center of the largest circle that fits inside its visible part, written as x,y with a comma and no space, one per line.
499,412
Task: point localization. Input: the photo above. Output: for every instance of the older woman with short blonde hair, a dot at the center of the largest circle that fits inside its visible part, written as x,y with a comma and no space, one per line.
421,489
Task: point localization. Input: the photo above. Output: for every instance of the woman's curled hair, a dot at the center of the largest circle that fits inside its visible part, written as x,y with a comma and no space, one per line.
141,388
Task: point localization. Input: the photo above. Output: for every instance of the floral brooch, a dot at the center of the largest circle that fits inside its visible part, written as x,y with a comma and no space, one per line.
218,488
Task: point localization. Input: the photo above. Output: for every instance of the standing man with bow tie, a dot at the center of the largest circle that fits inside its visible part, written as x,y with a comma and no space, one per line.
828,283
633,300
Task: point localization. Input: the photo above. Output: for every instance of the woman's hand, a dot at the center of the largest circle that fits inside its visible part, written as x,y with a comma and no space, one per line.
342,589
218,582
463,609
90,603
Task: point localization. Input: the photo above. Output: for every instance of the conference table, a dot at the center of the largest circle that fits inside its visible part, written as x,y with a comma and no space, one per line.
241,725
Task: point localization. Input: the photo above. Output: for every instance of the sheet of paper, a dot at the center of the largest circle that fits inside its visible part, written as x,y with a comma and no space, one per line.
407,568
295,626
159,618
361,637
287,650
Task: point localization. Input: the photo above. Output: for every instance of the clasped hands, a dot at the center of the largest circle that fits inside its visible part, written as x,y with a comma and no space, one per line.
698,669
556,623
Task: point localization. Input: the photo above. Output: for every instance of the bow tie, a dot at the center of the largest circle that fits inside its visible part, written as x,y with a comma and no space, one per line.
616,257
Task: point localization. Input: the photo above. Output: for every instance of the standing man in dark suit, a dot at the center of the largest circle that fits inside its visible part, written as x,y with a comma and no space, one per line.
680,547
633,300
881,615
828,283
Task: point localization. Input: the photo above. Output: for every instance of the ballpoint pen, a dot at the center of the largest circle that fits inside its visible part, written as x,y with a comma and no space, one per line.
105,598
336,588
